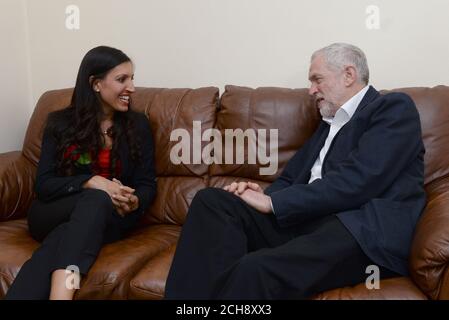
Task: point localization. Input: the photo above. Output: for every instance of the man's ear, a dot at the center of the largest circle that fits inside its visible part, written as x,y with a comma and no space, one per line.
350,75
94,83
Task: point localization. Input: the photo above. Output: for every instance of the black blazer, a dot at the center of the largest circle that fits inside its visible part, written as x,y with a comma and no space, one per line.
372,178
142,178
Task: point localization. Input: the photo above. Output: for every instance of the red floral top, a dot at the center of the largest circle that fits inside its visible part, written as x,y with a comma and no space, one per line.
102,167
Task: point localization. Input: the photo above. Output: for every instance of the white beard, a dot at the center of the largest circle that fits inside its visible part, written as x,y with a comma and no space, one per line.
327,109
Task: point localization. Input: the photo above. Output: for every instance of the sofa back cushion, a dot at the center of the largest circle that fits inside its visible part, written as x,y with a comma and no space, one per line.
50,101
171,111
291,112
433,108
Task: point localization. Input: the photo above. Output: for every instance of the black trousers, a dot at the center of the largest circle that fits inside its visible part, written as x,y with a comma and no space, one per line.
228,250
72,229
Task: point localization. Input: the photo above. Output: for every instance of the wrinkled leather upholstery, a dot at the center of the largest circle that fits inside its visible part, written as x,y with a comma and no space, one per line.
137,266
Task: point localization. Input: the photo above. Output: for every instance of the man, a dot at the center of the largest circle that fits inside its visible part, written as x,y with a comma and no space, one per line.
349,198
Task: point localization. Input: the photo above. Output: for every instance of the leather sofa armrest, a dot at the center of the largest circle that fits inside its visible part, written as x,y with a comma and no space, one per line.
17,177
400,288
429,258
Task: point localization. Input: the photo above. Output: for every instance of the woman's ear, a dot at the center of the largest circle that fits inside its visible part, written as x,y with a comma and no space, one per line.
94,83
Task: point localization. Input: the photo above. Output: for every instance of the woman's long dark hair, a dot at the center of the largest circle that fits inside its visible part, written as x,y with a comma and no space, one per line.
79,123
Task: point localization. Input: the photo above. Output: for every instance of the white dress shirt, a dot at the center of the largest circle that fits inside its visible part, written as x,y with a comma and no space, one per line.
342,116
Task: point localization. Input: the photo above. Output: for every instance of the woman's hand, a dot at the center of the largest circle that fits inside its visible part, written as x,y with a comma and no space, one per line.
100,183
122,196
125,202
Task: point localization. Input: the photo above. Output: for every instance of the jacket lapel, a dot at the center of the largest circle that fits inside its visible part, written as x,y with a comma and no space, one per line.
124,158
370,96
314,152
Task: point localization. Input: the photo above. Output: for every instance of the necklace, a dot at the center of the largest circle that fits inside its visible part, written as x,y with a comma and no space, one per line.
107,132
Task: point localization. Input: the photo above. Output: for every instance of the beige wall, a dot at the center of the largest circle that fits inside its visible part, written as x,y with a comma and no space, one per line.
15,91
193,43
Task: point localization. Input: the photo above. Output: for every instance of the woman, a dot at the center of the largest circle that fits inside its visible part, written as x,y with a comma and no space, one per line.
95,177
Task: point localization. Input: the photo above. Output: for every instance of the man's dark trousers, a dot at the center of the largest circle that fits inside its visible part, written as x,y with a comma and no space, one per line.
228,250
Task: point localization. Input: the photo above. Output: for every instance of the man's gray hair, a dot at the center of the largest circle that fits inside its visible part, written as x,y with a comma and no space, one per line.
340,55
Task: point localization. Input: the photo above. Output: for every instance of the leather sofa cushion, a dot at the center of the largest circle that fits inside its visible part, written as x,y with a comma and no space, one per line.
17,246
433,108
118,262
149,283
174,109
291,111
429,254
400,288
110,275
174,195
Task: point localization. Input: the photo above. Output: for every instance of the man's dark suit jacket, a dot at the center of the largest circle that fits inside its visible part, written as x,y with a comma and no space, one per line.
372,179
142,178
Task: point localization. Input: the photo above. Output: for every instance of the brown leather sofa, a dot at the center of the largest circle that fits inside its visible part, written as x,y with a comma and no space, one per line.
137,266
